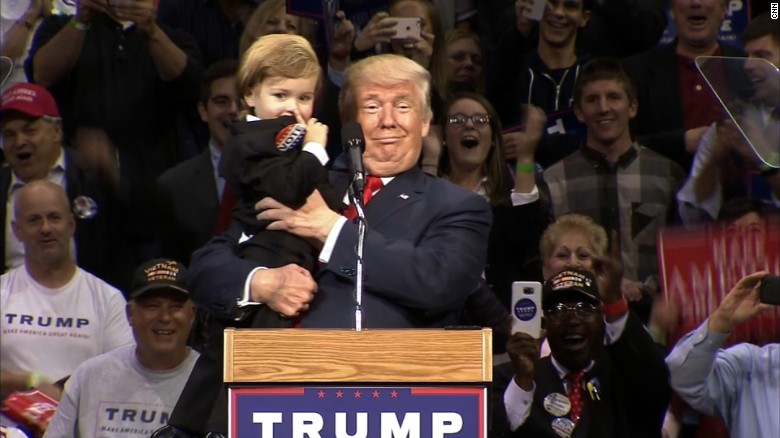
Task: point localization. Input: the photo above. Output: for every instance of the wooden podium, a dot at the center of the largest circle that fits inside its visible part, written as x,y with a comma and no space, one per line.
373,383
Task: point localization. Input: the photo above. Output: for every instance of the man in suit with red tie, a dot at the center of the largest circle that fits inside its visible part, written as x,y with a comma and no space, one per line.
425,247
605,377
424,251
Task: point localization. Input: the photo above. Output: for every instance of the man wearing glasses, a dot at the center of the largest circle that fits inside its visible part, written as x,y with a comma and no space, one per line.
605,376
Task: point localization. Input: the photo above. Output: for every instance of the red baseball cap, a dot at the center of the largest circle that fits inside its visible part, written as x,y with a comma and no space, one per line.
29,99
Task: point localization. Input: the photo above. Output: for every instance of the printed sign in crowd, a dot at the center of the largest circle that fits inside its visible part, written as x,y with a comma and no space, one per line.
700,266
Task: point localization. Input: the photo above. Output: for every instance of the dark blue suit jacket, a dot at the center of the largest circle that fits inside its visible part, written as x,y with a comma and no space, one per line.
188,207
424,253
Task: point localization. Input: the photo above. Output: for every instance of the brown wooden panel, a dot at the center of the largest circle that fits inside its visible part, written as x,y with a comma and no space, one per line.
381,356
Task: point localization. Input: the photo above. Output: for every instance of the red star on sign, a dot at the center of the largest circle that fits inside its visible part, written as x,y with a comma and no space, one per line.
339,394
358,394
394,394
321,394
375,394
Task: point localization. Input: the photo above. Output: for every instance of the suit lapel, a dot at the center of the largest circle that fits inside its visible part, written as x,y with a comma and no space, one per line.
597,417
403,191
547,379
203,181
547,382
339,179
74,187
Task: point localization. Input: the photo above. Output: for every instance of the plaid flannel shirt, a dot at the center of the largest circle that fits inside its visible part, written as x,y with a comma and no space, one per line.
634,196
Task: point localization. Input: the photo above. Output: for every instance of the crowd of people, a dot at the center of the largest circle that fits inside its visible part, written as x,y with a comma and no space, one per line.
171,168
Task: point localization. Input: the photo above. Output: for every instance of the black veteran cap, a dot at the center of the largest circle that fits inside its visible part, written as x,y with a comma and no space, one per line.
158,275
570,282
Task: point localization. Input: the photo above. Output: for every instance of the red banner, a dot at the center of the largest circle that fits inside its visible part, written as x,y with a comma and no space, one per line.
700,266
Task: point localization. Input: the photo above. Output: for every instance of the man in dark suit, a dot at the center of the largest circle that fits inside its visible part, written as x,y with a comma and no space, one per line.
425,247
675,103
426,244
32,144
605,377
189,193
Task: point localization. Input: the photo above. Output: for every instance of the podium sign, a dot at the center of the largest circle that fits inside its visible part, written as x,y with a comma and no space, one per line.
358,412
406,383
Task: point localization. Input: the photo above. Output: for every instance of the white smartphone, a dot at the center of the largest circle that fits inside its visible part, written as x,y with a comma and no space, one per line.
527,307
537,10
407,28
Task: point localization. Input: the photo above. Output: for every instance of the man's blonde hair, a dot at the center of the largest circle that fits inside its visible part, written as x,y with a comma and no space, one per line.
280,56
385,71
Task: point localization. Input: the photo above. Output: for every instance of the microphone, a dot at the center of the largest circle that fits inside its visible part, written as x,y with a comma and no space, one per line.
354,145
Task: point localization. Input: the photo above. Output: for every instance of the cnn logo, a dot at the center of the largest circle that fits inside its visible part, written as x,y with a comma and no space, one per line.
773,11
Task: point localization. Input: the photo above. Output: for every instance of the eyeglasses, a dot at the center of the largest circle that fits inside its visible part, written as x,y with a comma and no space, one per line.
583,311
459,119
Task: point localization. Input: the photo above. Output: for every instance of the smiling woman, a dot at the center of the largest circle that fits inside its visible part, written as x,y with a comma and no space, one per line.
572,241
472,157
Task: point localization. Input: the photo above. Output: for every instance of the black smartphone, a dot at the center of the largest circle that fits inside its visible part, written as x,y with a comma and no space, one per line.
770,290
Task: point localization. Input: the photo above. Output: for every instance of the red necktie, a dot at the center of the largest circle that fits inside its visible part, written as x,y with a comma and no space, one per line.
373,185
575,394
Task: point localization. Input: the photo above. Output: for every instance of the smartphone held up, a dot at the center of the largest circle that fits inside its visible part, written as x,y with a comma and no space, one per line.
527,308
769,292
407,28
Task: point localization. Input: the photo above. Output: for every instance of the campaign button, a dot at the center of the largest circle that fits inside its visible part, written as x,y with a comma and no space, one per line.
563,427
557,404
85,207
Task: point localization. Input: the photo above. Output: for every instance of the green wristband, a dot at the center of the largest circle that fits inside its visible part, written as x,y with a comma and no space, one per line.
79,25
34,380
525,167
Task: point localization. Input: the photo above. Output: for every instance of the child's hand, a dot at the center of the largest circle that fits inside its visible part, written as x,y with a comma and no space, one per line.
316,131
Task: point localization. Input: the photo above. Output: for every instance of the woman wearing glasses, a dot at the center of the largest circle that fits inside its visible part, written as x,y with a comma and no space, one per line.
472,157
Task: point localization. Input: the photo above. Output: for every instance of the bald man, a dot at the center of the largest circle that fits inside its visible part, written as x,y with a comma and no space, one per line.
54,314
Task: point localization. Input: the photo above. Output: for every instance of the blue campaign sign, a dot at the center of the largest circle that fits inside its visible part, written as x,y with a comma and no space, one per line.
358,412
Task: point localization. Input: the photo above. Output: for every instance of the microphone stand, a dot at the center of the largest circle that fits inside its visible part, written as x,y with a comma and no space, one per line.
357,201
